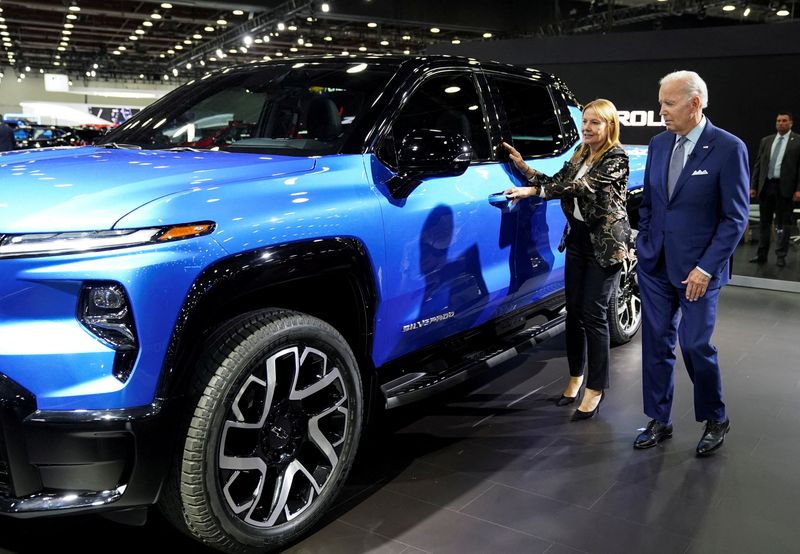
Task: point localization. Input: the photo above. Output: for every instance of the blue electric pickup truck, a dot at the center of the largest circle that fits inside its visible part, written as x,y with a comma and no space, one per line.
199,312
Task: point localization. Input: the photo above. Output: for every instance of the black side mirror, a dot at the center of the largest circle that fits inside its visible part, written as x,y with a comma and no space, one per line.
428,153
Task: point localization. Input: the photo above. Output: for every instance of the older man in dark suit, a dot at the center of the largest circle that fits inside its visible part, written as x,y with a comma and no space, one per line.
775,181
693,213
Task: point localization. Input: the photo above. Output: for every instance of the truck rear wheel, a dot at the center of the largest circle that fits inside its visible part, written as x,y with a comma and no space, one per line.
625,308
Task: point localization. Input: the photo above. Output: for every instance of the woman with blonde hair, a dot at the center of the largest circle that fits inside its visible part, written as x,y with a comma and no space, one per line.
592,187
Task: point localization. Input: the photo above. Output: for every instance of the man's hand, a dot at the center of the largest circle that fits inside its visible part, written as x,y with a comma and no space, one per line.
796,196
752,193
696,284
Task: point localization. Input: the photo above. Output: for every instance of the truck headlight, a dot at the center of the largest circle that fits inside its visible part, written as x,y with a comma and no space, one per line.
51,244
104,309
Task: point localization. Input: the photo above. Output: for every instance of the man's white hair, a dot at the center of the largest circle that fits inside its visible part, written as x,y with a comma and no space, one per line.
693,85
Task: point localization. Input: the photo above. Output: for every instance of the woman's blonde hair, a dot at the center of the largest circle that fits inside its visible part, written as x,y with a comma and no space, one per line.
607,111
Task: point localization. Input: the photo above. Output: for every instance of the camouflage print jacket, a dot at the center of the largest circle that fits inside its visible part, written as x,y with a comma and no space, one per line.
601,195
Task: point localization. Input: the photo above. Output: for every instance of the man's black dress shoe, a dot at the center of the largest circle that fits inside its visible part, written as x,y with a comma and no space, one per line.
713,436
653,434
758,260
781,262
579,415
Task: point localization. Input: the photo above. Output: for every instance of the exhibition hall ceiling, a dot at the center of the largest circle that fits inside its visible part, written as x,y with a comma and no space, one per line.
153,40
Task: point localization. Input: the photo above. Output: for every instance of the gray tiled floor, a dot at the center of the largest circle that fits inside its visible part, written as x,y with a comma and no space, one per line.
490,467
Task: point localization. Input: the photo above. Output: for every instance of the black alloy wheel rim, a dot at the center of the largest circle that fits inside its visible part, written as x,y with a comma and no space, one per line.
283,435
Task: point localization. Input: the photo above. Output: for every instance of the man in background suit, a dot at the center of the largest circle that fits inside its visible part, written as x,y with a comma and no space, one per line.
7,141
693,213
776,183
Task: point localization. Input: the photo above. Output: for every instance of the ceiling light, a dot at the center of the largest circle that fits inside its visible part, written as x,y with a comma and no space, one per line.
66,32
166,77
166,5
247,40
188,66
292,27
95,66
208,29
243,49
28,68
308,45
362,48
187,41
281,26
116,52
728,8
300,41
372,24
327,38
782,12
72,16
133,37
139,31
746,11
178,47
238,12
221,22
170,51
487,35
406,37
175,71
384,43
232,51
155,15
345,53
68,25
435,30
292,49
74,8
406,52
455,41
197,36
121,48
63,44
41,70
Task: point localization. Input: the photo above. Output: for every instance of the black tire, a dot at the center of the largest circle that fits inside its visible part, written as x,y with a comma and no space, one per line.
274,424
625,307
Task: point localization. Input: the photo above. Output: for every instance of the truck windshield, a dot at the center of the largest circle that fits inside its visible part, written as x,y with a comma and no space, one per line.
292,109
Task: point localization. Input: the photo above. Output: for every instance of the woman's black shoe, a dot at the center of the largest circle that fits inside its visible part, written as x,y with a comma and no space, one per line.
579,415
565,400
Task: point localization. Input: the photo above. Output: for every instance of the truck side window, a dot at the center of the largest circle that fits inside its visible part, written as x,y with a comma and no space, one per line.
448,102
530,115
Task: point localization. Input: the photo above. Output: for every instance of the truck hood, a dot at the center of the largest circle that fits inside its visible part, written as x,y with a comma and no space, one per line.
90,188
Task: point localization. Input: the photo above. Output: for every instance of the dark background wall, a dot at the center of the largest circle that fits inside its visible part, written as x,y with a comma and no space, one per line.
752,71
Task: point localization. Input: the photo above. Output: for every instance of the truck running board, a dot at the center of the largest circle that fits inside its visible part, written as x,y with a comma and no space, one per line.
413,386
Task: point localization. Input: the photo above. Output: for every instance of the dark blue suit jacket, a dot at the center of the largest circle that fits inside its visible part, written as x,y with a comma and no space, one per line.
705,218
7,141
